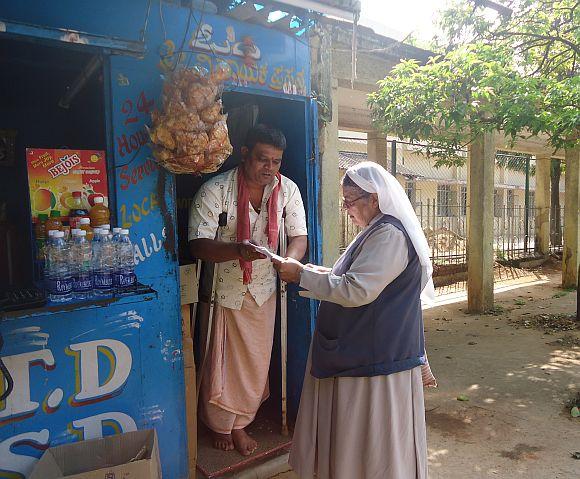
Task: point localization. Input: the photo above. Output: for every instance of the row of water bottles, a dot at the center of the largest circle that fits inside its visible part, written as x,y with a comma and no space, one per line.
79,269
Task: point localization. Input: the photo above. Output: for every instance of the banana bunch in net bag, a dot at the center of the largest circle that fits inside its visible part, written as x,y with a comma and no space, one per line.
190,134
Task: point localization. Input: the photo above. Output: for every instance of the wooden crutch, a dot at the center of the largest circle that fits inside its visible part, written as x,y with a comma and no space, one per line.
223,220
283,327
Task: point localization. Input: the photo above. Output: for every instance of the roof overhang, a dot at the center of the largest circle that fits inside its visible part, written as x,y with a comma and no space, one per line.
344,9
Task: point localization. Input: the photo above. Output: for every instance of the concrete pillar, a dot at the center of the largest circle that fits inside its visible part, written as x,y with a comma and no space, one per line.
542,212
481,165
330,184
377,149
570,256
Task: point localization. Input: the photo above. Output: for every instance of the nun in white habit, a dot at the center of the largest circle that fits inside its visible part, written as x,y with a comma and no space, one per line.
362,412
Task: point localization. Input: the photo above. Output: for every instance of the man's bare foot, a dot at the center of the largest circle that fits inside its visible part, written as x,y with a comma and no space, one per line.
244,443
223,442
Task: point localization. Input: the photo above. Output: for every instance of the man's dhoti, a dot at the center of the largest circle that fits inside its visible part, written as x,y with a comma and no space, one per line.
235,374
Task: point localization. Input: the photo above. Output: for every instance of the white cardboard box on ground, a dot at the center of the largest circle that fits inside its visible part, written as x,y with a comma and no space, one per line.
133,455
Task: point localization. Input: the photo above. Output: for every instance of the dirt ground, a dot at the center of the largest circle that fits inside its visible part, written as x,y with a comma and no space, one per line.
517,384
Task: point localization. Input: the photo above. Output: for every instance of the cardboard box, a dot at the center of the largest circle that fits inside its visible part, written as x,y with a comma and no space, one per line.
187,348
186,321
189,283
133,455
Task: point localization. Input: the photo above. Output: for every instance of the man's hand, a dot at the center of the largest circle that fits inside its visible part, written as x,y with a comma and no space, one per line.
289,269
247,252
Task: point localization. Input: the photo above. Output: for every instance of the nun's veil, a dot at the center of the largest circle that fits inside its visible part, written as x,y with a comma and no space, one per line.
373,178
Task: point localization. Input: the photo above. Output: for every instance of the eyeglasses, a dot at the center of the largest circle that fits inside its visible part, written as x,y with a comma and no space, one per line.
346,204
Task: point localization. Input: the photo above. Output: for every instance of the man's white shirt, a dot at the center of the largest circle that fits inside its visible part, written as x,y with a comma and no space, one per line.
220,195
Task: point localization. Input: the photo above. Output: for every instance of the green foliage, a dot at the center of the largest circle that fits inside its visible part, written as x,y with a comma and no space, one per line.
499,255
543,34
494,73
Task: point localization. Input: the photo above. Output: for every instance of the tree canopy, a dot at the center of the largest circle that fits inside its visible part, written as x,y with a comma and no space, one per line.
513,68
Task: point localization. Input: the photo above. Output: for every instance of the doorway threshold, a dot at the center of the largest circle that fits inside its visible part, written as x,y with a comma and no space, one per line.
214,464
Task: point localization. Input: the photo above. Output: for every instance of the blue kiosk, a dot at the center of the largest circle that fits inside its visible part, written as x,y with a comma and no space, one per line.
95,368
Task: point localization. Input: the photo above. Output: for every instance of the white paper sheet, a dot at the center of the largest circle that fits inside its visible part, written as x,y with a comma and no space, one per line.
265,251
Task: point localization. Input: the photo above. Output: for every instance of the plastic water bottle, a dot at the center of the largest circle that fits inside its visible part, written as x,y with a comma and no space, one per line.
116,239
81,256
59,281
48,244
96,243
116,234
73,233
103,262
85,224
50,236
67,235
125,278
107,227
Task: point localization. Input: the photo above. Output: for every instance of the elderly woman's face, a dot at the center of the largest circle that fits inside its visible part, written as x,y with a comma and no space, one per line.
361,206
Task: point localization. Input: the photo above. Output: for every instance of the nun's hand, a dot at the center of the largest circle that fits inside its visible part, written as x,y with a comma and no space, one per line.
317,268
289,269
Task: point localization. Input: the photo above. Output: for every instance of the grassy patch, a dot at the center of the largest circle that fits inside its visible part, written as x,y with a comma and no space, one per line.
567,341
548,323
573,401
496,310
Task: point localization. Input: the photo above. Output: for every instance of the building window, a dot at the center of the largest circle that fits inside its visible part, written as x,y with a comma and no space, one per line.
463,201
443,200
410,189
498,203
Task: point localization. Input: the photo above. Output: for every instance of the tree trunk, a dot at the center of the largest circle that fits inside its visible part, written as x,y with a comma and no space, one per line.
555,223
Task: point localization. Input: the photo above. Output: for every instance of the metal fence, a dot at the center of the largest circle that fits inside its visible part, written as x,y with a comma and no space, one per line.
513,232
556,229
514,209
446,233
439,196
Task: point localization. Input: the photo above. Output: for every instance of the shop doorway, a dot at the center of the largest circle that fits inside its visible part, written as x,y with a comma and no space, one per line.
245,110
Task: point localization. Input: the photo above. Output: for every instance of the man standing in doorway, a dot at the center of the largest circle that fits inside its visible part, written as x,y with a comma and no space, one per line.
254,196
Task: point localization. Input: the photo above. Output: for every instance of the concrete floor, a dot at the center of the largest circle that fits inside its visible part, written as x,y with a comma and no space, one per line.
517,381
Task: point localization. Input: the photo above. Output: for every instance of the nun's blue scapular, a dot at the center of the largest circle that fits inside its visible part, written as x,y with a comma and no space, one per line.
381,337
